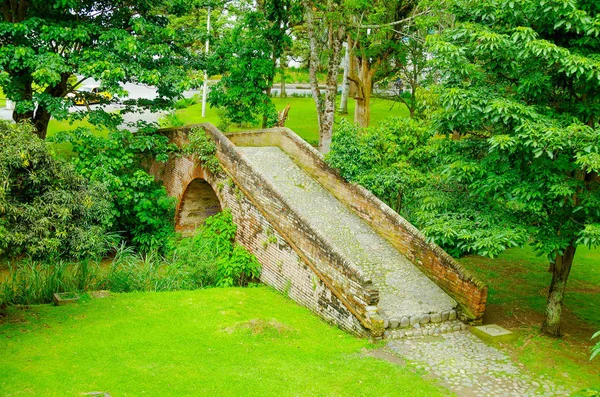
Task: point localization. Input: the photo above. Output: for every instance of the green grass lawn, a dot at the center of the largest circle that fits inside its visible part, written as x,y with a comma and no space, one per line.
302,116
518,283
214,342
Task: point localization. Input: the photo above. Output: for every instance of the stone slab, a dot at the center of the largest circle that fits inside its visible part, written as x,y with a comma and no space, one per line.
494,333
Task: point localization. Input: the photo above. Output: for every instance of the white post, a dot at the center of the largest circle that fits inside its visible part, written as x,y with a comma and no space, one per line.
345,82
205,88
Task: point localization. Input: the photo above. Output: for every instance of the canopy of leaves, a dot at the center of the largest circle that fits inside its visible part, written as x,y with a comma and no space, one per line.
247,57
44,43
520,97
403,164
46,209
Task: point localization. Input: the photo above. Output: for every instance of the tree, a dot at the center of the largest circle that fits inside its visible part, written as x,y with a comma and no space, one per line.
329,19
45,43
520,99
47,210
375,41
247,57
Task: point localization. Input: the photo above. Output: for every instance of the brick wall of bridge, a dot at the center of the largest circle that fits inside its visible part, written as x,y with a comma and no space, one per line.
284,266
455,280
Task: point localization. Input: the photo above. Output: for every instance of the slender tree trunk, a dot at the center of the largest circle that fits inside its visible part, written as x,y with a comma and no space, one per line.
313,63
265,119
325,103
560,274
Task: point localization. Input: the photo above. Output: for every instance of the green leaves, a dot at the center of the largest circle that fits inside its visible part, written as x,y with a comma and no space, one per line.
519,96
141,209
204,149
108,41
47,211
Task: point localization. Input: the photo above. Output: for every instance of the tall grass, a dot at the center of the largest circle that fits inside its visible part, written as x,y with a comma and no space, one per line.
209,258
32,282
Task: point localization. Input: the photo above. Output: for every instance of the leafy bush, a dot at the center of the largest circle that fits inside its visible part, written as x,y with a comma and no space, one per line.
171,120
187,102
210,258
142,211
225,263
47,210
414,172
203,149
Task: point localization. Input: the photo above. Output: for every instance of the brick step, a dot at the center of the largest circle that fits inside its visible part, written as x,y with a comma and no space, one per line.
426,329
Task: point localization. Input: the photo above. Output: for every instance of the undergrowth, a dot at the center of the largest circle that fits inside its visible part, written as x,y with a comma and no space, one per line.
209,258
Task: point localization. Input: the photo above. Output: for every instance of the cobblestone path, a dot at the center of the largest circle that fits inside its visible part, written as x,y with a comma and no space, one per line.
469,367
404,289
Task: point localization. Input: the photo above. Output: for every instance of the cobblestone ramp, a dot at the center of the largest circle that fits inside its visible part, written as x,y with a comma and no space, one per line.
470,368
406,294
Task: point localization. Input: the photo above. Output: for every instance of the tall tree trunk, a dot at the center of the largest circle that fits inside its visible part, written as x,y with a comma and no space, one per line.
325,103
313,63
40,116
560,274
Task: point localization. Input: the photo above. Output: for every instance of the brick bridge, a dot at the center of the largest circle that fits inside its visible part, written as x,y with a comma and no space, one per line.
327,244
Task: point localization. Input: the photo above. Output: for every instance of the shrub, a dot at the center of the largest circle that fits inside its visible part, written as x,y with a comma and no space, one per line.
142,211
217,260
203,149
47,209
208,259
171,120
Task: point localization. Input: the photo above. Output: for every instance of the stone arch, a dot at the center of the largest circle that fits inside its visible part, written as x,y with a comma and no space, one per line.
198,202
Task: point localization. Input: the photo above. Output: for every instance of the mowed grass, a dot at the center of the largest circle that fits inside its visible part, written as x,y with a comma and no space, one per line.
302,118
518,283
214,342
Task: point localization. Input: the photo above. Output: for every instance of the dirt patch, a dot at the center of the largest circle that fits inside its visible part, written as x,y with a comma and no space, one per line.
386,355
100,294
259,326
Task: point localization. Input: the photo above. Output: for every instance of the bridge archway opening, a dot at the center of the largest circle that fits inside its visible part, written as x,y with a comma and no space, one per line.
198,202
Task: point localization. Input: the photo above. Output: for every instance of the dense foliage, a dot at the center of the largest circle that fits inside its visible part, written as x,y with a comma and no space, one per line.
141,210
203,149
47,210
46,43
247,57
520,97
225,263
596,348
405,165
209,258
